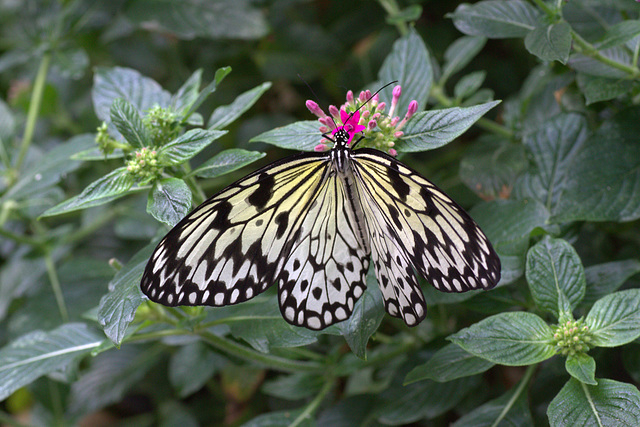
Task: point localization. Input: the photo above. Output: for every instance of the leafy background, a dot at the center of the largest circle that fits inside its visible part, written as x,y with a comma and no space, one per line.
551,174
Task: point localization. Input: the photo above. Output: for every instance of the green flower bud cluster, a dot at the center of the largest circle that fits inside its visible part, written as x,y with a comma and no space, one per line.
143,165
571,337
163,124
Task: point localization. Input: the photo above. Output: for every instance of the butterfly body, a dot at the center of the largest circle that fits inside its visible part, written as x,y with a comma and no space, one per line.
312,223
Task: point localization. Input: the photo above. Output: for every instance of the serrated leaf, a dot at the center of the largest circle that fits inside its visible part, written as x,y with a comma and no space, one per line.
226,161
129,123
237,19
410,65
614,319
192,366
169,200
582,367
114,185
184,98
432,129
596,89
186,146
496,19
553,148
459,54
610,403
512,339
303,136
226,114
110,84
604,174
39,353
367,315
448,363
604,279
550,43
500,412
554,269
118,307
620,33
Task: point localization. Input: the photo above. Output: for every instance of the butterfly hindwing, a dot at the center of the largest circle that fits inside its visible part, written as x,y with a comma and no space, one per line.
232,246
324,274
437,237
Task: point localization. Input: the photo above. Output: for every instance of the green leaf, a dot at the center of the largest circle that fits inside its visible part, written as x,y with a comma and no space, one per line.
226,161
221,73
186,146
186,96
502,412
303,136
582,367
491,165
620,33
410,65
614,319
605,173
402,404
109,377
114,185
550,43
95,154
554,269
192,366
469,84
118,307
610,403
596,67
7,121
294,387
129,123
596,89
367,315
553,148
432,129
518,218
226,114
459,54
281,419
38,353
169,200
496,19
188,19
70,62
604,279
448,363
110,84
49,169
512,339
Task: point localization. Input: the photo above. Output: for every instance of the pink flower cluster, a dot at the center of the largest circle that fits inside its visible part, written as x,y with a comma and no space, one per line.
381,130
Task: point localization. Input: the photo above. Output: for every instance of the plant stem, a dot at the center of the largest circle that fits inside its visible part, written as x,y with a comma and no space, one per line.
313,405
55,285
516,394
34,108
586,48
392,9
268,360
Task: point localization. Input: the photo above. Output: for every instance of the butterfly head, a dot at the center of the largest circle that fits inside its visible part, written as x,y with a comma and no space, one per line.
343,135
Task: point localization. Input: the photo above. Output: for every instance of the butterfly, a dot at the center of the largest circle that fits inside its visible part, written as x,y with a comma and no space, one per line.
312,223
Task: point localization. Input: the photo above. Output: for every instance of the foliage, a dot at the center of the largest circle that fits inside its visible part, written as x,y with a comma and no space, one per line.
105,111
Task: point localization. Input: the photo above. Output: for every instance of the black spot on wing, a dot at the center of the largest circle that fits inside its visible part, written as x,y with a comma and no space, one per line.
221,220
399,185
282,219
262,193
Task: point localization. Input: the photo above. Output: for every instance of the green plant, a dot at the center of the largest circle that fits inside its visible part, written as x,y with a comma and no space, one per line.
551,175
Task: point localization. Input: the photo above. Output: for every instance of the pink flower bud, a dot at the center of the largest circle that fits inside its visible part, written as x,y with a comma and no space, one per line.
398,134
372,124
333,110
320,148
350,98
397,91
362,97
393,152
375,98
394,121
381,107
411,110
366,114
324,129
376,116
314,108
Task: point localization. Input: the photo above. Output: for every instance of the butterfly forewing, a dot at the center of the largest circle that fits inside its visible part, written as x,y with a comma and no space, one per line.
232,247
439,238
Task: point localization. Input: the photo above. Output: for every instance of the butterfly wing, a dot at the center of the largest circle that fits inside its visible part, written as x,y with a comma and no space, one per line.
325,272
419,227
231,247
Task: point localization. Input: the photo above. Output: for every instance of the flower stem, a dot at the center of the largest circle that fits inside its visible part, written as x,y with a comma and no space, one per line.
34,108
55,285
314,404
516,394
